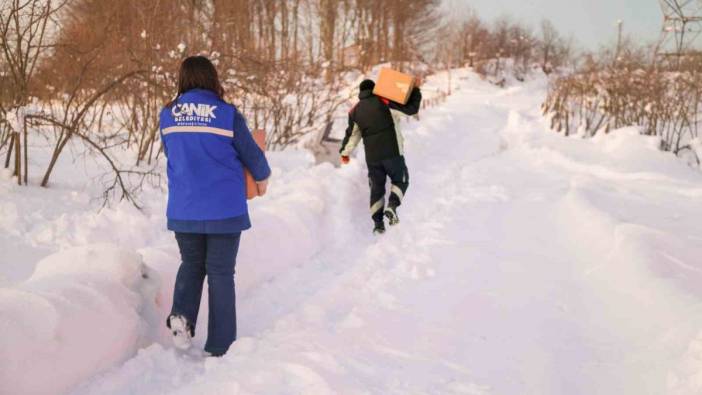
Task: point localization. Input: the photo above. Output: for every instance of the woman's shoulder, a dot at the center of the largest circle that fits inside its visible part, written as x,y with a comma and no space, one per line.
228,105
168,106
232,107
166,109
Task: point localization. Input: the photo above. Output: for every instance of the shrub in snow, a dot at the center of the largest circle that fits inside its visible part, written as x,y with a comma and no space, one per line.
83,310
666,101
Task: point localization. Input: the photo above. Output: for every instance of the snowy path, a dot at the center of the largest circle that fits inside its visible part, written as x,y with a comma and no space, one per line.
525,263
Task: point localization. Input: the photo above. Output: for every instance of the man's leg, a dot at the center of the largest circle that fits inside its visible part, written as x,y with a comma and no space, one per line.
221,259
399,177
376,182
191,275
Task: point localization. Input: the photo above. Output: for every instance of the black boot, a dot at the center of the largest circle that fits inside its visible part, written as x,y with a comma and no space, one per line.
391,215
379,228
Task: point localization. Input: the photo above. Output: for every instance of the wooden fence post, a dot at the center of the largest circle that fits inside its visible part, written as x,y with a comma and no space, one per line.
26,153
18,158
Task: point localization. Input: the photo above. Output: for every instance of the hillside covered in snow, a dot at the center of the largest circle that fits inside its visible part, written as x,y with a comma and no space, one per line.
525,263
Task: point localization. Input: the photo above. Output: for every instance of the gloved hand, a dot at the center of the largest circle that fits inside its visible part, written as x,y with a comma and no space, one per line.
345,159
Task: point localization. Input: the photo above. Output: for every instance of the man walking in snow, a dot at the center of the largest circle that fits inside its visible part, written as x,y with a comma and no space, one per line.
372,121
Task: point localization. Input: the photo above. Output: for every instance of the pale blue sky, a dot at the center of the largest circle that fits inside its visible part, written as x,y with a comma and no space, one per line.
590,22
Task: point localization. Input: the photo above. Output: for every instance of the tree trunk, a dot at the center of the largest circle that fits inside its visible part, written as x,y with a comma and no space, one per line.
327,30
26,155
9,150
18,158
54,158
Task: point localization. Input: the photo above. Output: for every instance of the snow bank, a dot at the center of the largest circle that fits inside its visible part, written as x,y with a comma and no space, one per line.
86,307
83,310
686,378
525,263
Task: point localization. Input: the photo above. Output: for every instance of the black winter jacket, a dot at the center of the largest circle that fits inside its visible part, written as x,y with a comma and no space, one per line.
374,121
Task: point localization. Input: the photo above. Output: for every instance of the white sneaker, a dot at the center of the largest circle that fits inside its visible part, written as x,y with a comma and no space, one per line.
182,334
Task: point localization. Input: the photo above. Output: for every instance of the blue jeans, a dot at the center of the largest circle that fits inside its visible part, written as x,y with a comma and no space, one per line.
214,256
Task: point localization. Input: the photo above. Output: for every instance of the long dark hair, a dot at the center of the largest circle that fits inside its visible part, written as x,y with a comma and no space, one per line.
198,72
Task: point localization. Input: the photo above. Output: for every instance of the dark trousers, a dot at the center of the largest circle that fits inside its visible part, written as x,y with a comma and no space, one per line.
396,170
214,256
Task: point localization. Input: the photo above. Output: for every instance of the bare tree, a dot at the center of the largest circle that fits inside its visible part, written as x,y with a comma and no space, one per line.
282,63
663,99
550,41
24,39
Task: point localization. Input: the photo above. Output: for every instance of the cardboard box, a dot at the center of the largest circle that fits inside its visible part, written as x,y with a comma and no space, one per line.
251,189
394,85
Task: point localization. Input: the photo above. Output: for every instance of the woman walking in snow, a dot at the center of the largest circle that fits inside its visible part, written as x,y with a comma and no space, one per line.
207,144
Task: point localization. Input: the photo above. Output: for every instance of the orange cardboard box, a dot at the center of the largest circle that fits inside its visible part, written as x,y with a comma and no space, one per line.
251,189
394,85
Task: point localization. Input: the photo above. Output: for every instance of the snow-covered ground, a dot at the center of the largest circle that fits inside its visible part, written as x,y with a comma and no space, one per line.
525,263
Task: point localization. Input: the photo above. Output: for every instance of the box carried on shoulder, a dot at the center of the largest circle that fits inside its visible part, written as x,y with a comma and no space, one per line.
394,85
251,189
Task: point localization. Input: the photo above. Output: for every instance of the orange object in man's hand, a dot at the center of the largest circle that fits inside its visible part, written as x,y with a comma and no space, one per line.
394,85
345,160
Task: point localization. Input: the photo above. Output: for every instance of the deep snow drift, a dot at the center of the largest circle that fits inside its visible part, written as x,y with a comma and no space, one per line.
525,263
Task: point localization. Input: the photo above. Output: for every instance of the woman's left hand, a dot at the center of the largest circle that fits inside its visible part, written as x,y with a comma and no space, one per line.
262,187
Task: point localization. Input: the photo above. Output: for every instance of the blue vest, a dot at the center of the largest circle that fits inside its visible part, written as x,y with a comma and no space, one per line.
208,144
